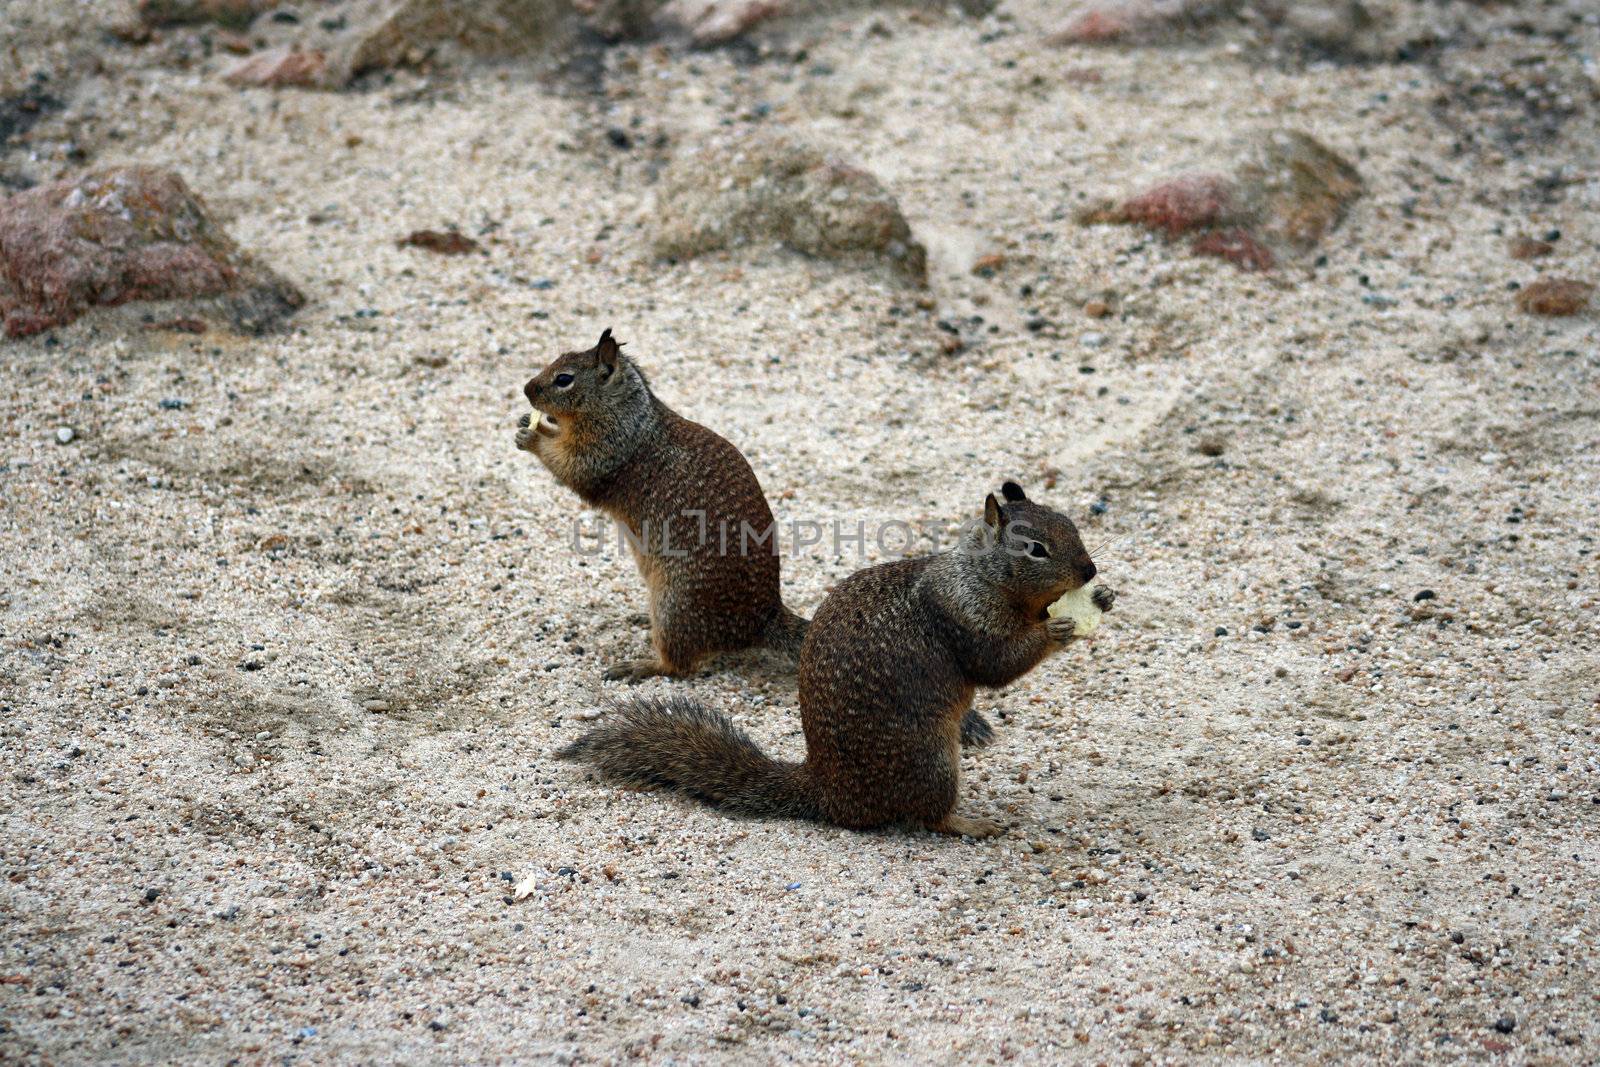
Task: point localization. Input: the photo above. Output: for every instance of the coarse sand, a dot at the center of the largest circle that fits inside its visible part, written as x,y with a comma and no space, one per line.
289,630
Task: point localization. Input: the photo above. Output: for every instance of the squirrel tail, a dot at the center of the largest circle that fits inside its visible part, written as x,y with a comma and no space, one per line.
683,745
786,633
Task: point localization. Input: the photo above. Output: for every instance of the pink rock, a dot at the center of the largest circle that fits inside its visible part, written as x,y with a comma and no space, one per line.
122,234
1117,20
711,22
279,68
1282,194
1180,205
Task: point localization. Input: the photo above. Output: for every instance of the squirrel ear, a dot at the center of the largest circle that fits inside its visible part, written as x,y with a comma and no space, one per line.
1012,492
993,517
606,352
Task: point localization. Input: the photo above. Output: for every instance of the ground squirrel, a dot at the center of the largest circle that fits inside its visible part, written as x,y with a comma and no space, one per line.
887,677
699,526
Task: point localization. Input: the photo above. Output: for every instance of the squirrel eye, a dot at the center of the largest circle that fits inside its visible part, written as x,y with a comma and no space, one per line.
563,381
1038,551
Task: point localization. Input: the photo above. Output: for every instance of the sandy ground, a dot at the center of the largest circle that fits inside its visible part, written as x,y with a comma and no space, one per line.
283,666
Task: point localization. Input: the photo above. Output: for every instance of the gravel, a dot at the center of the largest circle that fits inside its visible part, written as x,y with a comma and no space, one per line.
1418,880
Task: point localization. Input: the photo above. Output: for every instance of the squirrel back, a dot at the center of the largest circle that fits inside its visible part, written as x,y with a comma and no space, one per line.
887,674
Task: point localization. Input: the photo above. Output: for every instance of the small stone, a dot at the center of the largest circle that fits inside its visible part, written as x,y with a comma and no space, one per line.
1555,296
173,403
375,705
1097,309
151,894
65,434
281,68
1221,631
1423,594
757,189
1505,1024
444,242
691,999
988,266
1530,248
1093,340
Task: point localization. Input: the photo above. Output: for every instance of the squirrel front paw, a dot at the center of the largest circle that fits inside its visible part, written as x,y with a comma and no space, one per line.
526,433
1063,629
1103,597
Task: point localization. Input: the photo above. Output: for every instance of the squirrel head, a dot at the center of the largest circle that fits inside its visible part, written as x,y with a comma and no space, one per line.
1031,553
595,382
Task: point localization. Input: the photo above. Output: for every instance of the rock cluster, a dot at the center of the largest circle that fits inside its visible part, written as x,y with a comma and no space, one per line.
123,234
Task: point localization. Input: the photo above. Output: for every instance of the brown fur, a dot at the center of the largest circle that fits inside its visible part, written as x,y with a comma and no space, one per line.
625,452
887,677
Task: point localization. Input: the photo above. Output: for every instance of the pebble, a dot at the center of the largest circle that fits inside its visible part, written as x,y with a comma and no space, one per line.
65,434
1092,340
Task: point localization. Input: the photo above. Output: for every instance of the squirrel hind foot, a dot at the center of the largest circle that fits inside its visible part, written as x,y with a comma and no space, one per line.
976,732
967,826
635,670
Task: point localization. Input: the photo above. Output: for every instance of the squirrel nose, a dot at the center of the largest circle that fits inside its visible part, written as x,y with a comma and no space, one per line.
1088,570
529,390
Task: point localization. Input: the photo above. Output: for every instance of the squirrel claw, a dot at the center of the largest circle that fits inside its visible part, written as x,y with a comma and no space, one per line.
967,826
1063,629
524,422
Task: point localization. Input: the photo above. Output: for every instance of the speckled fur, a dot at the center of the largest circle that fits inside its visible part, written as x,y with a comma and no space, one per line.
625,452
887,675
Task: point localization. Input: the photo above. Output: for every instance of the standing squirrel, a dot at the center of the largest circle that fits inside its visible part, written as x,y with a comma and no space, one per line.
887,677
699,525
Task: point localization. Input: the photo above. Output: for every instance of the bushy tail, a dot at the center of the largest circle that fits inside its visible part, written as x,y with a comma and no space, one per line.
786,633
684,745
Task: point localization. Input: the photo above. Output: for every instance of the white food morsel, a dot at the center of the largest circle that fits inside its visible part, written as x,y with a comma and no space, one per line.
1079,606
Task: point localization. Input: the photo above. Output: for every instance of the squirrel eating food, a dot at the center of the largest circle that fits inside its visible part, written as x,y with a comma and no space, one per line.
699,526
887,676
